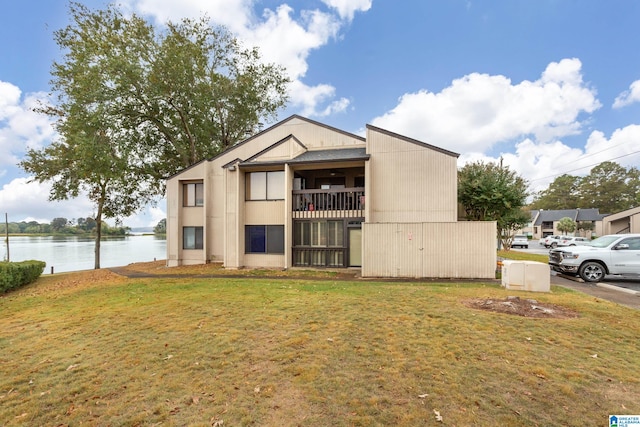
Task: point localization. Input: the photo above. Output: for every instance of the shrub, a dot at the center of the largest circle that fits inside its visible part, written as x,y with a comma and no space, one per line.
16,274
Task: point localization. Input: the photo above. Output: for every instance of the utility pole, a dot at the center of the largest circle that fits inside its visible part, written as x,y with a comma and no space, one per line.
6,229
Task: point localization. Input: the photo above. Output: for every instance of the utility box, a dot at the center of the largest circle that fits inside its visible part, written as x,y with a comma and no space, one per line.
526,276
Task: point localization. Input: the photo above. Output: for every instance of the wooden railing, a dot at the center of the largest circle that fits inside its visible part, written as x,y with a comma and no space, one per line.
334,203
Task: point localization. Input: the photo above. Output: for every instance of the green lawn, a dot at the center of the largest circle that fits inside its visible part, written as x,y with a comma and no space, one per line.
79,349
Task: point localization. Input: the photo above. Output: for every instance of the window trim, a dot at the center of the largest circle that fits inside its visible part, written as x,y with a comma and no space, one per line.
186,191
247,193
267,230
198,238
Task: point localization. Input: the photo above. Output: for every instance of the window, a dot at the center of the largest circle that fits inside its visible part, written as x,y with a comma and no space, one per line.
264,239
264,186
320,243
192,237
193,194
318,233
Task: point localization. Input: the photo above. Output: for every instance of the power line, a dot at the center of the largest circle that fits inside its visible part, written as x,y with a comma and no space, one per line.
584,167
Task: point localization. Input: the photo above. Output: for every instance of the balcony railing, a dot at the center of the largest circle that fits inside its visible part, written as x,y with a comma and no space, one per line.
334,203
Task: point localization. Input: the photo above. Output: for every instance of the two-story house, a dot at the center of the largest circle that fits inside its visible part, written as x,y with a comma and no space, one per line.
303,194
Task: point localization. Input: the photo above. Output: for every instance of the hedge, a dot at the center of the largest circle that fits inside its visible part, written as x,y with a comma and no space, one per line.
16,274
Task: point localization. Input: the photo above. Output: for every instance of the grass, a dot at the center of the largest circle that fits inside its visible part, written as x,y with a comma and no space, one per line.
95,348
523,256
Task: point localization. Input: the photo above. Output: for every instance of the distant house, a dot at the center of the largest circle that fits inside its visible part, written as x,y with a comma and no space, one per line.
545,222
622,222
304,194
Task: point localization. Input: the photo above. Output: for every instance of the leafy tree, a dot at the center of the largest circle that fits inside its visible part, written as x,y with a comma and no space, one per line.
58,223
492,192
134,106
510,223
606,188
567,225
179,96
585,225
161,227
562,193
633,187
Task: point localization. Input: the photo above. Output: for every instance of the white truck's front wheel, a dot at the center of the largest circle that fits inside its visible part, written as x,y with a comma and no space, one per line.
592,271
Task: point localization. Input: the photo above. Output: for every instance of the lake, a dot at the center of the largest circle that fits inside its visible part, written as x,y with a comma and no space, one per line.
72,253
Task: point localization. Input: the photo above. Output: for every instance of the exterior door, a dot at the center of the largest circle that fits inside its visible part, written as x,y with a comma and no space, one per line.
355,247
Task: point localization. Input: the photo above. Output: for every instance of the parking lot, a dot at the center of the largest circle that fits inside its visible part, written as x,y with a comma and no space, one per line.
624,283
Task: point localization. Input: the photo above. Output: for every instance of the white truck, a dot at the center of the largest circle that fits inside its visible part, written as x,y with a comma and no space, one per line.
613,254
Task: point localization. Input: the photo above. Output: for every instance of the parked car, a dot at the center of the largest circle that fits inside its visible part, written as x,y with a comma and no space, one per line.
573,241
550,241
520,241
611,254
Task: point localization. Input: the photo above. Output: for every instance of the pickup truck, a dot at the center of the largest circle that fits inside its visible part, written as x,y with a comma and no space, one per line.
612,254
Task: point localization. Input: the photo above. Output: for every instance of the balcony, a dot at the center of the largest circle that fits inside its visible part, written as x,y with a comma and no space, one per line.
333,203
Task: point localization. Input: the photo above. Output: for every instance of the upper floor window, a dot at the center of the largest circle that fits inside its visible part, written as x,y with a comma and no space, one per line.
265,185
193,194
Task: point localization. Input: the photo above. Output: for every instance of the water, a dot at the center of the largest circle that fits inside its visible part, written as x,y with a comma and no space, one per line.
74,253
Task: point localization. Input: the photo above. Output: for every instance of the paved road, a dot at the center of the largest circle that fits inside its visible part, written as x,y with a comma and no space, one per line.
621,291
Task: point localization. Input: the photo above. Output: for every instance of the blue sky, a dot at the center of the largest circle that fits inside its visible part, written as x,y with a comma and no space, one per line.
551,86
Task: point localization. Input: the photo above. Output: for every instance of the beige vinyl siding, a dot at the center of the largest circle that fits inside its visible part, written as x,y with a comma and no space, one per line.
179,216
434,250
284,151
268,212
408,182
264,260
312,136
626,221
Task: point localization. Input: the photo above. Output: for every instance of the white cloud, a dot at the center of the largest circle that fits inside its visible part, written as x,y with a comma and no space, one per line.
288,42
233,14
542,162
629,96
150,216
20,126
347,8
310,99
22,199
284,37
479,110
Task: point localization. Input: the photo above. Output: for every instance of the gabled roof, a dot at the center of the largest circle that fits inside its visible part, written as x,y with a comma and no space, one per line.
319,156
334,155
623,214
589,215
280,123
413,141
262,132
574,214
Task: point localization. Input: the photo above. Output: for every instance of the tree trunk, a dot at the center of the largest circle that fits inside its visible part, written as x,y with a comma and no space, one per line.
98,235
